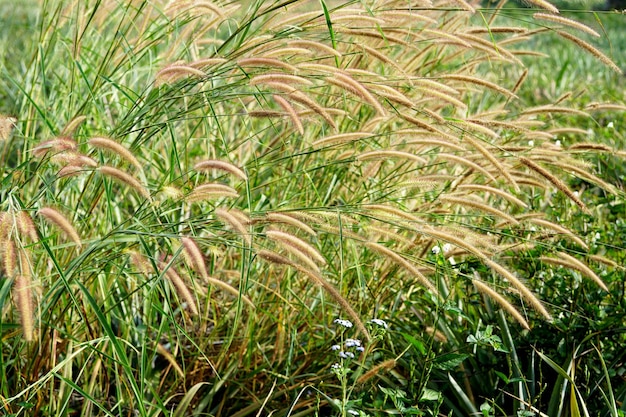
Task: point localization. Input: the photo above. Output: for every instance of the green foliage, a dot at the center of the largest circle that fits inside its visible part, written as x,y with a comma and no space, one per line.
194,192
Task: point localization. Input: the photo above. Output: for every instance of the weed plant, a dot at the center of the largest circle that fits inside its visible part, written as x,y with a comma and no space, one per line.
194,191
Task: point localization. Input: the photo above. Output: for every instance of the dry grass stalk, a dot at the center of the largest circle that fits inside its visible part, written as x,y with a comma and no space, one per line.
194,257
286,51
384,59
161,350
207,62
467,202
181,288
378,36
493,190
436,334
592,50
303,258
345,305
291,112
603,260
57,219
586,175
265,62
26,226
290,220
446,37
205,193
520,81
111,145
542,4
383,366
435,142
73,124
393,212
288,240
479,81
7,124
567,22
468,163
477,127
403,263
69,158
265,113
569,261
60,144
303,99
341,139
462,243
392,94
24,297
406,17
307,44
390,154
351,85
273,257
590,147
491,158
229,289
496,29
222,166
508,307
555,181
519,285
319,280
388,234
125,178
279,78
605,106
554,109
9,259
173,73
567,131
182,6
235,223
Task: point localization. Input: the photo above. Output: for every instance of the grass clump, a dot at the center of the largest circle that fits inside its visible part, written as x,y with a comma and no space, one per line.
236,178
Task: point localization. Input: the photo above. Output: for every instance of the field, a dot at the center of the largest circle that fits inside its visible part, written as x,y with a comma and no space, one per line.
312,208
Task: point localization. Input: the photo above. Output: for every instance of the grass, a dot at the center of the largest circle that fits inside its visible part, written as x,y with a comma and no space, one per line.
191,197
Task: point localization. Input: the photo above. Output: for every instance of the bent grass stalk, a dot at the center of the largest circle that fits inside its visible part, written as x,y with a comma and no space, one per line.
58,220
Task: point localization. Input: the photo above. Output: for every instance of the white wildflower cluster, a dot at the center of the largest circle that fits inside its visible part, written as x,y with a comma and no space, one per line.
379,322
445,248
345,323
349,345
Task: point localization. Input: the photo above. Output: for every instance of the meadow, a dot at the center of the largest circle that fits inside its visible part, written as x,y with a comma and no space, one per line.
323,208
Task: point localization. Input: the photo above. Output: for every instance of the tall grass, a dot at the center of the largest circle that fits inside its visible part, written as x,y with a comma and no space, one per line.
193,191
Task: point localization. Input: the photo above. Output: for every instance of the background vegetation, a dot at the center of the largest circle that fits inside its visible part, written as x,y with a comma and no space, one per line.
311,208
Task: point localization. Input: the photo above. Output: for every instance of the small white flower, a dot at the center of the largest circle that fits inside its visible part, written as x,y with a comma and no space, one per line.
352,343
610,125
531,143
447,248
576,193
436,250
557,143
360,349
336,366
346,355
335,347
379,322
452,260
344,323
